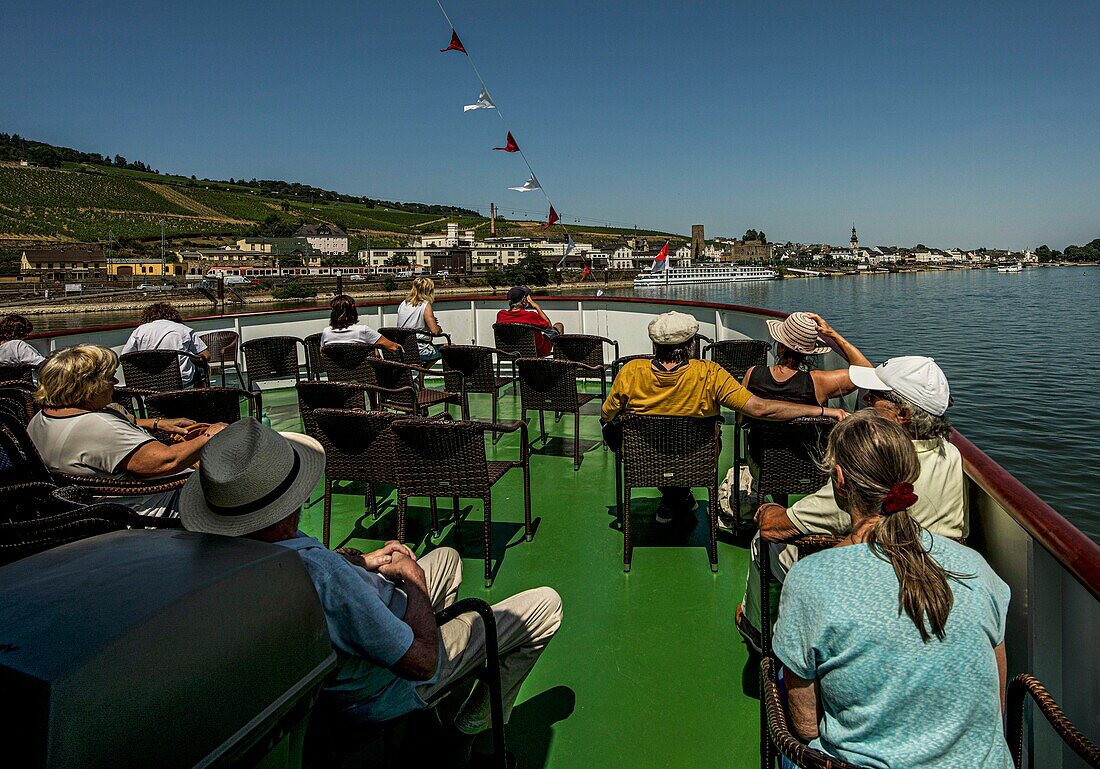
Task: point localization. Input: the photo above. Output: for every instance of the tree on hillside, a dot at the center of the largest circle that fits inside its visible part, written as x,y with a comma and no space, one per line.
400,260
530,270
120,161
754,235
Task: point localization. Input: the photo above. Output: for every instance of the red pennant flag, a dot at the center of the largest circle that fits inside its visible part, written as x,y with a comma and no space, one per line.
456,44
509,144
552,218
663,256
587,269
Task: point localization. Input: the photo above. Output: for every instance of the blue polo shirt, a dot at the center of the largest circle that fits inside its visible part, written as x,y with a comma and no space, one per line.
365,614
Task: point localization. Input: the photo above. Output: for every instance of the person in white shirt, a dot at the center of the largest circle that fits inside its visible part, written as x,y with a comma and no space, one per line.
162,329
13,350
416,313
343,327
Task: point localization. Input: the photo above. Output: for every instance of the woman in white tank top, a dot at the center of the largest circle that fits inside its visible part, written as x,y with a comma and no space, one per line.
416,313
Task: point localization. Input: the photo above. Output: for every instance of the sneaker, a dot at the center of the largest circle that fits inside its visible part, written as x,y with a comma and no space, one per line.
665,514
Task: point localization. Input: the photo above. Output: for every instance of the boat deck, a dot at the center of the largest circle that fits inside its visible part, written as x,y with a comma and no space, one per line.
647,669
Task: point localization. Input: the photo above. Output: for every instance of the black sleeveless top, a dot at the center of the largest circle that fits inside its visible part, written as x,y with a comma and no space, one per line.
798,389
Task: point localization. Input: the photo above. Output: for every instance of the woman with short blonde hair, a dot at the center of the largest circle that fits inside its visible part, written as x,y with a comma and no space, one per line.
416,313
77,432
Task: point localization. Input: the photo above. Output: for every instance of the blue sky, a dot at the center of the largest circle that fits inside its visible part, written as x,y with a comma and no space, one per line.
947,123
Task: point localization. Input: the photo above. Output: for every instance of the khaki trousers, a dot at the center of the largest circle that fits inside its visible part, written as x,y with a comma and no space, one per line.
525,624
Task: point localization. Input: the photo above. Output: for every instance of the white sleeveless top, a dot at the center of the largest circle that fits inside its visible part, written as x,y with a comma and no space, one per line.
409,316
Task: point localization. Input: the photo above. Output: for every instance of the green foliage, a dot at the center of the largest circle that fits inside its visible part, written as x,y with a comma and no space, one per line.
1090,252
399,260
494,277
754,235
294,291
275,226
528,271
340,260
389,284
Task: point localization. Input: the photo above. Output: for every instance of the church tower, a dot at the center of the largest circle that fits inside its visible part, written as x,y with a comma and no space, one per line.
855,241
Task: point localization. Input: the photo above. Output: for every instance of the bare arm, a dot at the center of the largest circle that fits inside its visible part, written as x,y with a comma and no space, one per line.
535,306
388,345
154,458
1002,669
834,384
431,322
804,705
419,662
774,523
782,411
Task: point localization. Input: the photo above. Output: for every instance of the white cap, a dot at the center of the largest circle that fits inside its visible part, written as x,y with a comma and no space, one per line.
916,378
673,328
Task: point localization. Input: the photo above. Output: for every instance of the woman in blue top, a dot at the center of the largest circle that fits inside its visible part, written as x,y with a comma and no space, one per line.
893,643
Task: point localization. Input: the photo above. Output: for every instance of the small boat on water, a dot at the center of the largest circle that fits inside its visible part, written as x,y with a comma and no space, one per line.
710,273
1012,267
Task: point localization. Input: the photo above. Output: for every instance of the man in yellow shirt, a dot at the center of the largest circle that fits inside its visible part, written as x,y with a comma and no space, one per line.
675,384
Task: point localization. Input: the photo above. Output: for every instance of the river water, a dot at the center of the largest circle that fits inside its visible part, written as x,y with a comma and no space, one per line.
1016,348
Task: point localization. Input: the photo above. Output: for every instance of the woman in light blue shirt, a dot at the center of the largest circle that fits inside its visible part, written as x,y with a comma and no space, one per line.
893,642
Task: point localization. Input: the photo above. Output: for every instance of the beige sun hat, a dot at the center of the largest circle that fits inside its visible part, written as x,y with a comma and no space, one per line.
672,328
799,333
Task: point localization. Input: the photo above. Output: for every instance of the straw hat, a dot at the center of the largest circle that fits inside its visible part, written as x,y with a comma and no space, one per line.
799,333
250,477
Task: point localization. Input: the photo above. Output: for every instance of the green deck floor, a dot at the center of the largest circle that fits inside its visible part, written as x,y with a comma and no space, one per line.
647,669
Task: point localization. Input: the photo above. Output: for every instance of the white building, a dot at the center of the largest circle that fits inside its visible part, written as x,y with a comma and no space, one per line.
326,238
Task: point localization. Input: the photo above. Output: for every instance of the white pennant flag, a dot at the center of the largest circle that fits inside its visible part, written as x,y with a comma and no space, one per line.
529,185
569,246
483,102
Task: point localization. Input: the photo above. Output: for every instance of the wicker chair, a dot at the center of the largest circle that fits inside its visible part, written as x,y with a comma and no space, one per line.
775,732
20,463
1018,689
470,369
159,370
327,395
668,451
17,372
347,362
409,340
587,349
55,527
618,363
359,446
546,384
514,340
209,405
19,401
314,361
447,459
272,357
222,346
398,387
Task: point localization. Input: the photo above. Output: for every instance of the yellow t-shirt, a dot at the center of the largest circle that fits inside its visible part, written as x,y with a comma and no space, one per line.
694,390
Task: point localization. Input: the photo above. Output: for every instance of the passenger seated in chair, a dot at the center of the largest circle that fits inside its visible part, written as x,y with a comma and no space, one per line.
893,642
522,308
393,657
162,328
344,327
13,350
77,431
416,312
913,392
676,384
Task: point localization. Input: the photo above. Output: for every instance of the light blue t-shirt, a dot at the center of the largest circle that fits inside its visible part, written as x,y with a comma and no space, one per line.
365,615
889,699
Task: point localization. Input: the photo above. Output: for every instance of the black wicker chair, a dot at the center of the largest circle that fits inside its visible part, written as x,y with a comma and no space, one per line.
61,524
313,356
223,348
209,405
1018,689
159,370
272,357
17,372
514,340
327,395
587,349
347,362
471,368
546,384
19,400
437,458
668,451
618,363
409,339
397,386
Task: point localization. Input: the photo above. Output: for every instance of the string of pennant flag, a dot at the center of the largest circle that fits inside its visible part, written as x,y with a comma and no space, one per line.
485,101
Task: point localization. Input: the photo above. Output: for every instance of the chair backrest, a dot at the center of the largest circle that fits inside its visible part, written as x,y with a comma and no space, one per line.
327,395
359,445
618,363
214,404
547,384
17,372
222,345
581,348
738,355
20,462
271,357
441,458
348,362
474,362
701,341
1025,684
19,539
20,402
157,370
516,339
407,338
788,452
662,450
313,355
392,375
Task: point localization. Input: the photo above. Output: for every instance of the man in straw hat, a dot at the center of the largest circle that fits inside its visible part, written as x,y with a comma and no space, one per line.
677,384
393,658
913,392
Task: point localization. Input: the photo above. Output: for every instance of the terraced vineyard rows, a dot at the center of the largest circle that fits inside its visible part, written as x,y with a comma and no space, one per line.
45,188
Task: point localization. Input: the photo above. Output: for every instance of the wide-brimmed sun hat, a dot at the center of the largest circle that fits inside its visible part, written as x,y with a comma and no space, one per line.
799,333
672,328
249,478
916,378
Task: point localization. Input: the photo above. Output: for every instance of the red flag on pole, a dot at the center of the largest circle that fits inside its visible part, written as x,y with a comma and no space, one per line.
456,44
509,144
552,218
587,269
660,262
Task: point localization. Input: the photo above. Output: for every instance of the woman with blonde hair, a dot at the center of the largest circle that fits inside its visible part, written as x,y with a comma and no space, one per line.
76,432
416,313
876,634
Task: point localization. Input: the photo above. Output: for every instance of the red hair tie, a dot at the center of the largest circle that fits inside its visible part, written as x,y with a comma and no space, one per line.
899,498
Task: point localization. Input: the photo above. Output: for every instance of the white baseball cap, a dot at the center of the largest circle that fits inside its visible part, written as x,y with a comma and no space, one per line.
916,378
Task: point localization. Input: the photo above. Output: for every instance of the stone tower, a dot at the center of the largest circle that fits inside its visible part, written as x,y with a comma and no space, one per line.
855,240
696,243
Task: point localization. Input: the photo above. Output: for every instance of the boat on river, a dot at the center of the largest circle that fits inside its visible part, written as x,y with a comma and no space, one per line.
704,273
648,670
1011,267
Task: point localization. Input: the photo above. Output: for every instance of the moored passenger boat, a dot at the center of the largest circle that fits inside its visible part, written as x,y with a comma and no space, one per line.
648,669
704,273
